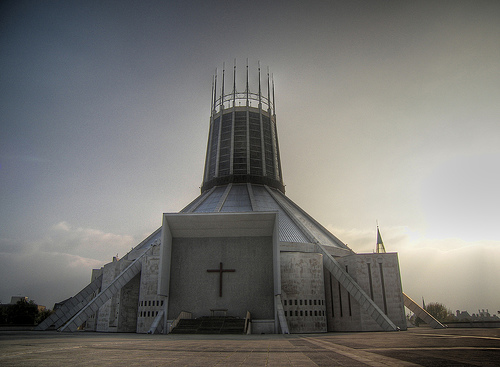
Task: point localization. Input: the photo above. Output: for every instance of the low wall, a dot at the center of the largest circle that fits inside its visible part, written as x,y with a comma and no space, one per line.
474,324
16,327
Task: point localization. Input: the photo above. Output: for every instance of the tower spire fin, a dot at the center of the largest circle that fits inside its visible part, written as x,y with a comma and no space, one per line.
223,82
234,82
268,92
247,87
215,90
380,243
274,109
212,96
260,89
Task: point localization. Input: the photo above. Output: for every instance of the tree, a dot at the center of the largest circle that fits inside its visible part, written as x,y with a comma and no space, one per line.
440,312
22,313
42,315
3,315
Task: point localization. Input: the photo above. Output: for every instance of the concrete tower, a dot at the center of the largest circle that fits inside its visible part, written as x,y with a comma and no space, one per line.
243,140
241,249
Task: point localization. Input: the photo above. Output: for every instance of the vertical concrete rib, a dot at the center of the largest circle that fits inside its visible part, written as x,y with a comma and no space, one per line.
233,117
248,124
262,142
251,196
200,200
223,197
216,174
273,134
209,144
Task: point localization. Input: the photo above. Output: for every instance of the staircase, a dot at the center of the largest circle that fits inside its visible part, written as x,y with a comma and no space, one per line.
69,308
210,325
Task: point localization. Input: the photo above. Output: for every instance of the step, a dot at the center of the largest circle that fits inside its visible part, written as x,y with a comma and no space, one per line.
210,325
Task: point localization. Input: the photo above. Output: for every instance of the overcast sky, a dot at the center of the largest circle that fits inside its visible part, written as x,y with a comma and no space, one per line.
386,110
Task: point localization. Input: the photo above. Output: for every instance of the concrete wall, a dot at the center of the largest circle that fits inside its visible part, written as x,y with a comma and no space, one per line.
248,288
149,303
302,291
108,312
128,306
118,314
379,276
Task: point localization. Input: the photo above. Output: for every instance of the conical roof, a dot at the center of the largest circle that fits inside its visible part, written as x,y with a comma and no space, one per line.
295,225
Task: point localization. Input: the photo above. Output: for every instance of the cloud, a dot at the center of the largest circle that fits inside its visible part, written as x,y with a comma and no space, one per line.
59,265
24,158
45,277
460,197
93,243
460,274
11,246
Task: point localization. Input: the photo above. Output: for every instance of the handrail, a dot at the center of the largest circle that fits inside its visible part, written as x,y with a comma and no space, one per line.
248,320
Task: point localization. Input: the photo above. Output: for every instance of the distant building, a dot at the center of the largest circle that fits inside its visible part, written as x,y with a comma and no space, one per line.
15,299
481,315
241,249
10,313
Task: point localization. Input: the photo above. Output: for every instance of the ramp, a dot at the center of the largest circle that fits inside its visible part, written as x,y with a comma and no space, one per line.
423,314
91,307
70,307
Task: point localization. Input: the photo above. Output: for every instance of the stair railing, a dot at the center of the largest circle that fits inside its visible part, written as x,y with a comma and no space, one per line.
248,327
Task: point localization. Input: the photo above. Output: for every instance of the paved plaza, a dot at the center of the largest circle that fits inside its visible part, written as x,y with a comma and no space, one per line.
415,347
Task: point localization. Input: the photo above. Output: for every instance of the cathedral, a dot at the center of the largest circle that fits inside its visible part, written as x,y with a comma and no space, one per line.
241,254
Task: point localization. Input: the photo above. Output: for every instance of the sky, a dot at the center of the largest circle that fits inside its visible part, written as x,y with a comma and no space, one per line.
387,111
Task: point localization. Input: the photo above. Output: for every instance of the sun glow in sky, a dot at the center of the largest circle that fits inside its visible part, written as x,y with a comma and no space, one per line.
386,111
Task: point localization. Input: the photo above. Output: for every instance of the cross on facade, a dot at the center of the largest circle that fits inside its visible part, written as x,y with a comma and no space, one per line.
220,271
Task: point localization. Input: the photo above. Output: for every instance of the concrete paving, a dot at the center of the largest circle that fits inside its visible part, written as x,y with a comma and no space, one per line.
415,347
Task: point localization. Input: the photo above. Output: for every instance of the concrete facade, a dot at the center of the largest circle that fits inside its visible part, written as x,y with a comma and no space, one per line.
312,299
248,288
303,292
378,275
150,304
